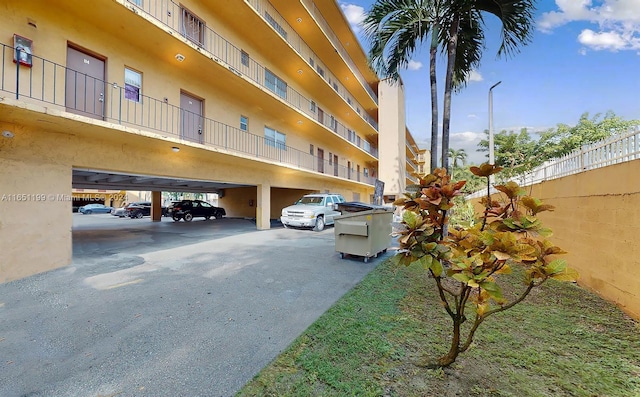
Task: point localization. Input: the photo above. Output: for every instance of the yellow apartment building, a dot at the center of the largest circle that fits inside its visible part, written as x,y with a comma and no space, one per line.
257,101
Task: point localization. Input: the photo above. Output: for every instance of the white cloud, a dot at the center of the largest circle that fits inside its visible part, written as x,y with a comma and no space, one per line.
617,21
472,116
469,142
474,75
414,65
466,136
355,15
602,40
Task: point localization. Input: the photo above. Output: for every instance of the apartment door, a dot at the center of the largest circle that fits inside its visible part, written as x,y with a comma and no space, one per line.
320,116
320,160
335,165
191,118
85,87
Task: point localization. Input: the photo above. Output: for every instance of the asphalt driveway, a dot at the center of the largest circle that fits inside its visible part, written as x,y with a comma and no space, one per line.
166,309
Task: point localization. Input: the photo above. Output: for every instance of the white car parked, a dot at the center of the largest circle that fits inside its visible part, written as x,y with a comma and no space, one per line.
313,210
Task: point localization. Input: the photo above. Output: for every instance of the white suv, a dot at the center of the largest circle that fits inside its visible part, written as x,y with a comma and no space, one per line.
312,210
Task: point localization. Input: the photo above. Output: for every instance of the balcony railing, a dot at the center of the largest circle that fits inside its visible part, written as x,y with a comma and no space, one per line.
411,149
50,83
412,178
172,15
311,6
267,11
616,149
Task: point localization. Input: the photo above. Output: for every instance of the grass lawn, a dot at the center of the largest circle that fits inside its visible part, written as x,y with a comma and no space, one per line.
561,341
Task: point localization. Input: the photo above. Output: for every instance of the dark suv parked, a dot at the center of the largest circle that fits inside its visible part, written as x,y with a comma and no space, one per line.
189,209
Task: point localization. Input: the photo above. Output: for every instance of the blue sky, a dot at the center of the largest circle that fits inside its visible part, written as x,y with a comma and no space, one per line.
584,57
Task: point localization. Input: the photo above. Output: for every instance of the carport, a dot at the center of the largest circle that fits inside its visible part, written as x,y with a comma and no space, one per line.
98,179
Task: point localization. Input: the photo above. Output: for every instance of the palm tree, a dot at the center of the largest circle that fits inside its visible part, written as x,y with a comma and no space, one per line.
466,35
456,155
396,28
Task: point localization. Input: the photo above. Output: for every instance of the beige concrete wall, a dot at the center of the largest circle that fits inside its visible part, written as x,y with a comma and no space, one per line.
597,220
393,157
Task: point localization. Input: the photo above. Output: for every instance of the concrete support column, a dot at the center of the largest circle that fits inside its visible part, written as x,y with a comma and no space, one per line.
263,209
156,206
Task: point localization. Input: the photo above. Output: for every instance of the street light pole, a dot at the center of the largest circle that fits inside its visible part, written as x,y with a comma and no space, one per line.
492,159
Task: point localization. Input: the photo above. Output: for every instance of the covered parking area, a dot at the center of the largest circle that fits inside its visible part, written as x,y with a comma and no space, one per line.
88,179
51,151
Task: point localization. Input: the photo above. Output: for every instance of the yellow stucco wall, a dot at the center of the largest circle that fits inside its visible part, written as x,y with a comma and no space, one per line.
597,220
49,142
35,214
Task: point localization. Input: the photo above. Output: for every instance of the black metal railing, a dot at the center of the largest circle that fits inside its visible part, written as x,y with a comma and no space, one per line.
48,82
173,15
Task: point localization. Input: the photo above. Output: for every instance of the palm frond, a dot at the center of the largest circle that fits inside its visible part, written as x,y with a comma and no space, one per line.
395,30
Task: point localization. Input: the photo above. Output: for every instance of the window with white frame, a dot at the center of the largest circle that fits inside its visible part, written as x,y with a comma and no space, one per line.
192,27
132,85
275,84
244,123
312,106
275,138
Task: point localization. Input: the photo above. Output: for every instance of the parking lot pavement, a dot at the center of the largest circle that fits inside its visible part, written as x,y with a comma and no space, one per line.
166,309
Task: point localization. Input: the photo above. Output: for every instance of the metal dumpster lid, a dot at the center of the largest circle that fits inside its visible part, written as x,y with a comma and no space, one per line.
357,206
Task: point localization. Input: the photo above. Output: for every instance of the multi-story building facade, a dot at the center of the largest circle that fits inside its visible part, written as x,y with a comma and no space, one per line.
257,101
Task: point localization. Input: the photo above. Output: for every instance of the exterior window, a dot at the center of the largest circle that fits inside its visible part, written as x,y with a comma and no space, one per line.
335,86
358,109
312,106
320,71
312,62
330,159
311,149
367,146
192,27
137,2
275,84
334,123
132,85
349,101
275,138
365,172
358,141
278,28
244,123
351,135
244,58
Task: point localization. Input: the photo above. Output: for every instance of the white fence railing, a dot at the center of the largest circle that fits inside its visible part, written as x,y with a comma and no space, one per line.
616,149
